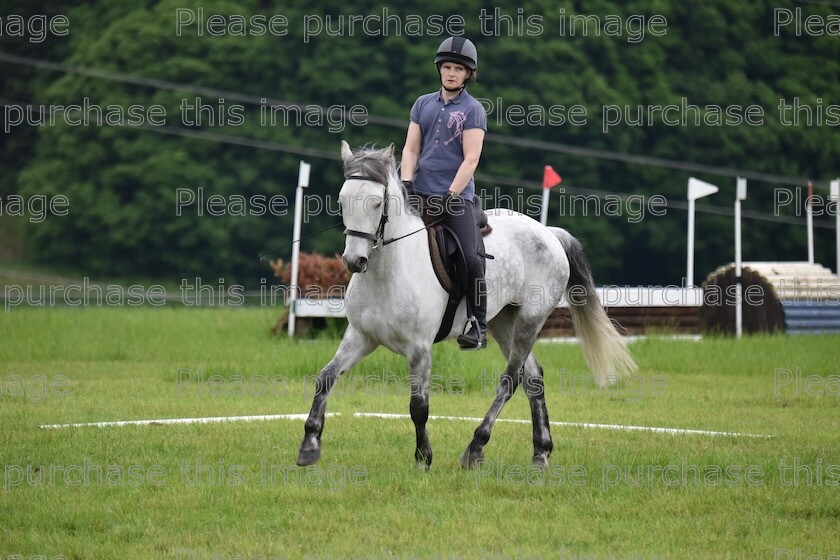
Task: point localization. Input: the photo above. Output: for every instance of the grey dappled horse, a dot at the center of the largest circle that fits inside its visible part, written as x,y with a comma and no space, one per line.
395,300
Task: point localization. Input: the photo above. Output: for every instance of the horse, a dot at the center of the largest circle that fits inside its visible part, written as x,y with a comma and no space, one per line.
395,300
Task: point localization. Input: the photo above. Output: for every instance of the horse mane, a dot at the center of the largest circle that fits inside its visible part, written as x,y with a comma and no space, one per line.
373,162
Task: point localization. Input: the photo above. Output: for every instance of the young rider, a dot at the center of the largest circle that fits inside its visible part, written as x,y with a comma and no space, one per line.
442,149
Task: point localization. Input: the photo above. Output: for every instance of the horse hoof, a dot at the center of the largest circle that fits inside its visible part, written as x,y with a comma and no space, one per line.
540,461
423,460
471,459
308,457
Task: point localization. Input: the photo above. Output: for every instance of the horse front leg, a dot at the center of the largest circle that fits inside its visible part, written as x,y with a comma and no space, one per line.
354,346
420,367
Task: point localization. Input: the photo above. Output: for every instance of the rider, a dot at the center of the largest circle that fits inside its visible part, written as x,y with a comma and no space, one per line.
441,153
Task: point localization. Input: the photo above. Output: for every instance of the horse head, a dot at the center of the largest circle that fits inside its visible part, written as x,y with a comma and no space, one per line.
363,199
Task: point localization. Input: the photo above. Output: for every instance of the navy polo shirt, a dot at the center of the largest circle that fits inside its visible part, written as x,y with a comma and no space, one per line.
442,126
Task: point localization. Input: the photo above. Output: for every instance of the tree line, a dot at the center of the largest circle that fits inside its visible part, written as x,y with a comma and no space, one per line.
561,88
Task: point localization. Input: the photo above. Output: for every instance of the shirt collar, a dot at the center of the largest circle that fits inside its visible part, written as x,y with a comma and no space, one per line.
457,99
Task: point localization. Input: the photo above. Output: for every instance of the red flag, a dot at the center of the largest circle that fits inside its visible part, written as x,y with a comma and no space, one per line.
550,177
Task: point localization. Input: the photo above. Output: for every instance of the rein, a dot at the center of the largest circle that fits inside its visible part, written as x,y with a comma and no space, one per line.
379,236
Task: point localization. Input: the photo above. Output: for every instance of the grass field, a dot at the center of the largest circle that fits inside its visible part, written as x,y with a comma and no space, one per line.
231,490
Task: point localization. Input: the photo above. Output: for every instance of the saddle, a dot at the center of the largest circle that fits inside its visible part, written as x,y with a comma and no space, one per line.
449,263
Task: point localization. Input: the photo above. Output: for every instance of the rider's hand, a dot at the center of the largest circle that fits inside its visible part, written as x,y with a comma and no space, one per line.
453,203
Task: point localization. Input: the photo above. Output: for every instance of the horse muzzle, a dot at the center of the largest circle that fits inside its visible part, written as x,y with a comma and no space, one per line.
355,264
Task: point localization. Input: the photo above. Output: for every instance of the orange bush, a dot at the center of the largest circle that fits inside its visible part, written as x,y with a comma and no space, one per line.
315,272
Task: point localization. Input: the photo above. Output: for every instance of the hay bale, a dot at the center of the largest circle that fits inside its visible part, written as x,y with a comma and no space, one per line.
767,287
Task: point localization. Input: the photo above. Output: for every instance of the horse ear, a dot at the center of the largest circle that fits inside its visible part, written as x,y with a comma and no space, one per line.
346,152
390,153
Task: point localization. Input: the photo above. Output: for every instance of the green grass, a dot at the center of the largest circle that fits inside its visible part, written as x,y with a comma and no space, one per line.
365,499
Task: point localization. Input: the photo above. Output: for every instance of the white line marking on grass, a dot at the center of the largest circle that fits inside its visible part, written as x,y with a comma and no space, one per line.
215,419
207,420
572,424
628,338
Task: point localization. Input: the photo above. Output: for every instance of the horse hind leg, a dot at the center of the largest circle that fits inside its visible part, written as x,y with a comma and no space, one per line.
516,336
535,390
354,346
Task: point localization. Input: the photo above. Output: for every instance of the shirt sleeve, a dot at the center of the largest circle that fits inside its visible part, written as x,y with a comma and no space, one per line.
477,118
415,111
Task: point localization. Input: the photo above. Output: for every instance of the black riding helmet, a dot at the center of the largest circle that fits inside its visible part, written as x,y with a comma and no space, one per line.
460,51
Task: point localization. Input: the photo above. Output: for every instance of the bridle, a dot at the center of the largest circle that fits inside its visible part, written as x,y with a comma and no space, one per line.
380,230
379,236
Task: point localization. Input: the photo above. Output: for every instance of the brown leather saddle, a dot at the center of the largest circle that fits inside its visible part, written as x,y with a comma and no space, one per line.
448,261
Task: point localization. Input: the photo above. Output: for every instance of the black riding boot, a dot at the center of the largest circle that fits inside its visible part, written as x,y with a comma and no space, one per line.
476,337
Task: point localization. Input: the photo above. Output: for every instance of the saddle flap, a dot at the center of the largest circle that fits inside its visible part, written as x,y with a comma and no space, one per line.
440,257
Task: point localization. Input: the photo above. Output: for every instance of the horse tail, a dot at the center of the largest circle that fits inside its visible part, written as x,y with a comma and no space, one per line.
603,347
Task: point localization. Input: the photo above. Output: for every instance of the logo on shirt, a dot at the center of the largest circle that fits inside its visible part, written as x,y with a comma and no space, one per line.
457,118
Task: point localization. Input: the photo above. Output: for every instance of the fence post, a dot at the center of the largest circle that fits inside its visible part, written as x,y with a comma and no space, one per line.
741,194
303,182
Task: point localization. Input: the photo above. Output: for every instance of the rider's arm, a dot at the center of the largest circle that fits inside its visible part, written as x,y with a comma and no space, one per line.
411,152
473,142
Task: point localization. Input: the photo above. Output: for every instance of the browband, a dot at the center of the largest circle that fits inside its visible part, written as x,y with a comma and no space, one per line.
363,178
